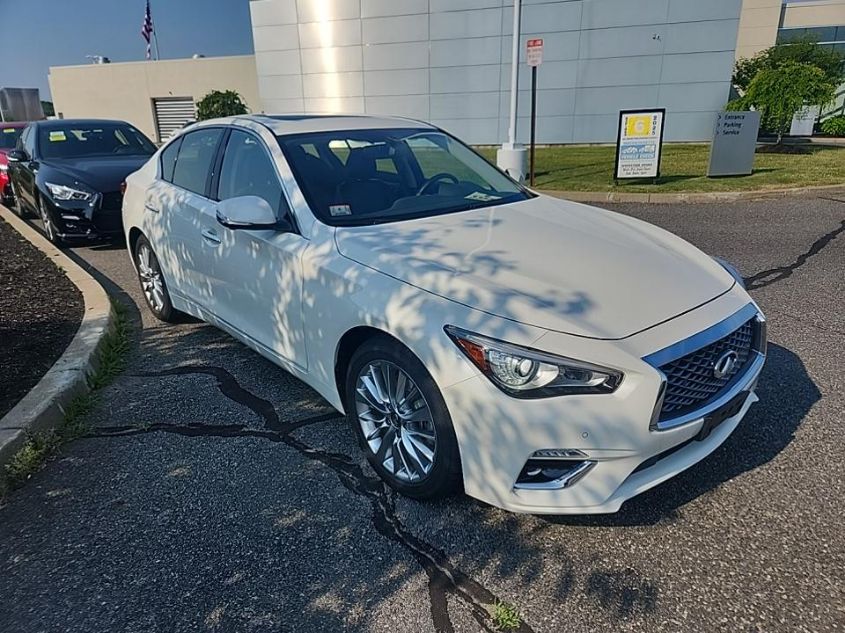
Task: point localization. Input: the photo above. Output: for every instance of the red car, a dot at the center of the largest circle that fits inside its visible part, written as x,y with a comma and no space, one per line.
9,133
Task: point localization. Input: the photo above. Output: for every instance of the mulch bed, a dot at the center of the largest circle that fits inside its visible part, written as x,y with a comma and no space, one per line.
40,311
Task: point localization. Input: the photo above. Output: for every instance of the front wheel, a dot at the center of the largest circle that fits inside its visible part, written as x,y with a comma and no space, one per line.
152,282
401,420
49,227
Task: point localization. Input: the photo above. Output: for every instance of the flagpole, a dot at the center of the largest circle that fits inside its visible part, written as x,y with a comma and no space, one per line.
155,43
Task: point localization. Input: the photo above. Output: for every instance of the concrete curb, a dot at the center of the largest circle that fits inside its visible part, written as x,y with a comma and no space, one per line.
43,407
688,198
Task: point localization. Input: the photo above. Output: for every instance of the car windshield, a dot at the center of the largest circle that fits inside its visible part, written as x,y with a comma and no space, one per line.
9,137
359,177
97,139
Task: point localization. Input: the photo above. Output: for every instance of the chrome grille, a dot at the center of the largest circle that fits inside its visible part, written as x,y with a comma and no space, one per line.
691,380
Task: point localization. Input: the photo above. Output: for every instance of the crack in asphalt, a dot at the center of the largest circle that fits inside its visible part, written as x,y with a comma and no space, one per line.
774,275
443,577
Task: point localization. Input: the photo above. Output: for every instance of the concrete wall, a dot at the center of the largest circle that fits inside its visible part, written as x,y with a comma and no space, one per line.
125,91
758,26
447,61
761,19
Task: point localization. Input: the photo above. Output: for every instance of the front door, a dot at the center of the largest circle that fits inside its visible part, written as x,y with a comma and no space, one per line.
256,276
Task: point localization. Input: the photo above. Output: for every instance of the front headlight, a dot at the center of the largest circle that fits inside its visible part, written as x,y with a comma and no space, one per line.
526,373
61,192
4,167
732,270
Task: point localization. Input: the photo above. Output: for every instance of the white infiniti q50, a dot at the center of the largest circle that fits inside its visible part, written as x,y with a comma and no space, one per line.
548,356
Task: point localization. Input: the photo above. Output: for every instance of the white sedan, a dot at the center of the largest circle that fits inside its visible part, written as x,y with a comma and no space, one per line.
547,356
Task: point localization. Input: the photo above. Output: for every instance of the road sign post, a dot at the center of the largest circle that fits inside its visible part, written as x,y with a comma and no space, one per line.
534,55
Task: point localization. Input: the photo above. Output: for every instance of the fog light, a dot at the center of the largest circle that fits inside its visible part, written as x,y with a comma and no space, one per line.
552,474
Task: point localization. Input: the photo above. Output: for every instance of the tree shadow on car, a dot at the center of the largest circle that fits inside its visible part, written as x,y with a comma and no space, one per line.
786,392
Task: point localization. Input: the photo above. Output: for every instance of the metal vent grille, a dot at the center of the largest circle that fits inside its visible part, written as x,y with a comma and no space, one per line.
691,380
172,114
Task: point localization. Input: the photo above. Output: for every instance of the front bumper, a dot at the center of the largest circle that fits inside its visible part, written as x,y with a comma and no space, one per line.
85,221
613,433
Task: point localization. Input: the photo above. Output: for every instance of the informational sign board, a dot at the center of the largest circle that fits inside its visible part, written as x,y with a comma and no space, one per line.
639,143
534,50
804,121
734,144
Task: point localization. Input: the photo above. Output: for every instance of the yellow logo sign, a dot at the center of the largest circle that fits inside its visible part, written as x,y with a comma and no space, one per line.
638,125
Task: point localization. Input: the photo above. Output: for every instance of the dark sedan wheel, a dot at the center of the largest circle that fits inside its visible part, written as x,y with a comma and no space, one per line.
401,420
14,203
152,282
50,229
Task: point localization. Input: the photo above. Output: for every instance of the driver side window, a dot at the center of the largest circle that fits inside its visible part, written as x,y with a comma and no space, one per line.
247,170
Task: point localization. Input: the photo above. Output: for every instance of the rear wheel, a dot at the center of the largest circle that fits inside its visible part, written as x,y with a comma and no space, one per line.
152,282
13,202
401,420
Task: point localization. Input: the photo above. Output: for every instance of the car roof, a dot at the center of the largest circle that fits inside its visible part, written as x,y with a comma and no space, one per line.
15,124
303,123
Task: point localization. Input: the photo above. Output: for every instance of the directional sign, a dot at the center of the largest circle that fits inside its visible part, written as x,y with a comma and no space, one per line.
535,52
734,143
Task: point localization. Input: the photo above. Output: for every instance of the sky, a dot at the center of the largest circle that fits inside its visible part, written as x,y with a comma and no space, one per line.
37,34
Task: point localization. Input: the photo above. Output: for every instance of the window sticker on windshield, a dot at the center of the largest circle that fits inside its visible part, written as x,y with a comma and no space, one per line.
9,130
57,136
340,209
483,197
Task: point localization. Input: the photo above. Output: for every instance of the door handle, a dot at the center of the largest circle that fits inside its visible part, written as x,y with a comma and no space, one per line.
210,236
151,208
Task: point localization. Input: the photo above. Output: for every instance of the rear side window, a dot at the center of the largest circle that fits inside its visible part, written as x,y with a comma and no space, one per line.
168,159
195,159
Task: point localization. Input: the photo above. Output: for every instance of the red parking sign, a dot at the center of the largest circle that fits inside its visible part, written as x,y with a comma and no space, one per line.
535,52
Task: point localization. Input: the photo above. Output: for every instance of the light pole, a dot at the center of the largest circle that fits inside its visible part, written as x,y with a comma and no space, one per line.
511,157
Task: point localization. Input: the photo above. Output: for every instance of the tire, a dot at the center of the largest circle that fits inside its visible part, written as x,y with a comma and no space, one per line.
47,224
389,426
151,279
14,203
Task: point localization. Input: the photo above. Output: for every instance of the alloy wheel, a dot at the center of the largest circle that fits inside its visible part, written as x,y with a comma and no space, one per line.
49,229
151,280
396,421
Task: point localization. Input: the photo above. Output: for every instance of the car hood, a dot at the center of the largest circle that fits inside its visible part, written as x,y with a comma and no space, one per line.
103,173
546,262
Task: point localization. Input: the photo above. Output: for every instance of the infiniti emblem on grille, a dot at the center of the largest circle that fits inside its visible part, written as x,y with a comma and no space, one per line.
725,365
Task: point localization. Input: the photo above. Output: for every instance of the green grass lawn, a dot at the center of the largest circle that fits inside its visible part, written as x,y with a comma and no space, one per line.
683,169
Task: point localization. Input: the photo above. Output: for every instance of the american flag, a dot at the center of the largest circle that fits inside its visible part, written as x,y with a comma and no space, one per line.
147,30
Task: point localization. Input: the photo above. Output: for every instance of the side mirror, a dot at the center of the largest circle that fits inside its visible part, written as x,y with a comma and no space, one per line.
251,213
17,156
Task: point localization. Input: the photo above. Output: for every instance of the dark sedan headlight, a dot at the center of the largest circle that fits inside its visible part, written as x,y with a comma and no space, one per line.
525,373
65,193
732,270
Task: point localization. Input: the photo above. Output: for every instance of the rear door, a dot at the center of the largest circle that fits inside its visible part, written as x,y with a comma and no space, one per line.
256,276
178,200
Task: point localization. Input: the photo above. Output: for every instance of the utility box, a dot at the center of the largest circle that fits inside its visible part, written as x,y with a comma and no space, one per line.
20,104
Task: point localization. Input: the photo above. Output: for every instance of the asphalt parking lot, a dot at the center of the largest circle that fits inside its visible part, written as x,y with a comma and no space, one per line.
218,493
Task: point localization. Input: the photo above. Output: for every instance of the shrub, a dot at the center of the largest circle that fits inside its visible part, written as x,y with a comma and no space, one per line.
220,103
834,126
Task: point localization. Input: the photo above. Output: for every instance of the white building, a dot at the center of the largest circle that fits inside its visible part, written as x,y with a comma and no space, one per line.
448,62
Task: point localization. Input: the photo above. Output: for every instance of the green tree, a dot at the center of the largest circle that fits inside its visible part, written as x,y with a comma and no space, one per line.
803,51
219,103
781,91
